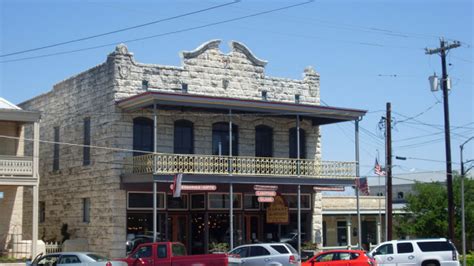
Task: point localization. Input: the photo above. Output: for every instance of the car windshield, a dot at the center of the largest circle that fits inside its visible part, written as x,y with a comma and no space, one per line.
97,257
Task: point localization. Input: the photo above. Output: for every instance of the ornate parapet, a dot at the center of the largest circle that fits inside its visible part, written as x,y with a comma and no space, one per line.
240,47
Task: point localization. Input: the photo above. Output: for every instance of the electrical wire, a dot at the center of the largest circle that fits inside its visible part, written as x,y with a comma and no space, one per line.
163,34
121,30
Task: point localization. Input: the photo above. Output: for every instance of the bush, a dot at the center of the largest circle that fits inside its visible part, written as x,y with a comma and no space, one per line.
11,260
218,247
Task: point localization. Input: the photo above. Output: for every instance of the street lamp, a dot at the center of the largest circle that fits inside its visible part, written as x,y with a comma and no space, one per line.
463,173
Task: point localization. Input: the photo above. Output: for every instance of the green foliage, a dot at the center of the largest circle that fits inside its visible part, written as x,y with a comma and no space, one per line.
308,245
219,247
11,260
426,211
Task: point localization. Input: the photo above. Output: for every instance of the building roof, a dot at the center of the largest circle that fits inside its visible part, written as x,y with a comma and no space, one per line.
319,114
11,112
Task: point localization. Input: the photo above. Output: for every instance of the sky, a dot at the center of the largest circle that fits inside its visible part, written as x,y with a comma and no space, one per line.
367,52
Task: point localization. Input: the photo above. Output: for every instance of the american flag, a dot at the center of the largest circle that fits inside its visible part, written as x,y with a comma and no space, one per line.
378,170
363,186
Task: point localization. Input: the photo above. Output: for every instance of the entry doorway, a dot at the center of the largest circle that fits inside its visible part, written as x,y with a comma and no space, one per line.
252,230
178,228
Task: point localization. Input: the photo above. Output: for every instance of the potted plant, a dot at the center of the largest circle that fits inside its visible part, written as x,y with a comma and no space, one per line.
217,248
308,250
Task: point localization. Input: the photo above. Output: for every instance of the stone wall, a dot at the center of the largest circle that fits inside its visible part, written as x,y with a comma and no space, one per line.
12,147
88,94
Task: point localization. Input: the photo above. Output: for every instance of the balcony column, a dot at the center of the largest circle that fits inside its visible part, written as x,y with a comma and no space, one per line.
155,148
359,225
34,232
231,188
298,165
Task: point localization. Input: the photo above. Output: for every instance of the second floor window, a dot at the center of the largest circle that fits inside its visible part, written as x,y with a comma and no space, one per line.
220,139
142,135
263,141
86,160
183,137
56,149
293,145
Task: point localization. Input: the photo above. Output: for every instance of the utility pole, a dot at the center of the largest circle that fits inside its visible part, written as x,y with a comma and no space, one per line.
444,47
388,160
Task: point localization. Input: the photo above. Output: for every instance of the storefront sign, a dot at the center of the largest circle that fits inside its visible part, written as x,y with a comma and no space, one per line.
265,193
328,188
197,187
265,199
264,187
277,212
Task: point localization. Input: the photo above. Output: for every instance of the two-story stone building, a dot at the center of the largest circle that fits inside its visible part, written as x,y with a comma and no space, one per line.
123,129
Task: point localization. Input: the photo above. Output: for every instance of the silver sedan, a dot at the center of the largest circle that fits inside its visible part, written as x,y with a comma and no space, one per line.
74,259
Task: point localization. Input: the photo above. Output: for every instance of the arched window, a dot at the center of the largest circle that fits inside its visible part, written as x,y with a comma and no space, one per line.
220,137
142,135
263,141
183,137
293,145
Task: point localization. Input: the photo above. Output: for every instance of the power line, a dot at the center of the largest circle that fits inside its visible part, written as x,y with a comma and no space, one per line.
120,30
163,34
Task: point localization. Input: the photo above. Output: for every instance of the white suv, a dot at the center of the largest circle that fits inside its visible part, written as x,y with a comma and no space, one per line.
424,252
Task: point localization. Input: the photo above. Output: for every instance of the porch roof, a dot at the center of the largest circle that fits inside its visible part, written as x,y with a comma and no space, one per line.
319,114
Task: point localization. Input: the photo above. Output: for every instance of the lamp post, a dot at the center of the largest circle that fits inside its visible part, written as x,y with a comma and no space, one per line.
463,173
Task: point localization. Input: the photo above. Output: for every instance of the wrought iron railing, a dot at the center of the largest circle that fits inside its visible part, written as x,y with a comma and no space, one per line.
16,166
237,165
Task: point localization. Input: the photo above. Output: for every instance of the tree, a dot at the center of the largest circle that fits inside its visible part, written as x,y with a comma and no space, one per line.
426,213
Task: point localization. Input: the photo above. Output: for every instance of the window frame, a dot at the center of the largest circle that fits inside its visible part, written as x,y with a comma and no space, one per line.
86,210
56,151
266,134
183,124
251,209
178,209
191,201
293,145
142,123
146,208
86,150
223,193
221,129
296,195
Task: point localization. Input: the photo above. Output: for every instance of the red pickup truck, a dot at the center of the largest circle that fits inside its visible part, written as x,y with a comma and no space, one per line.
171,254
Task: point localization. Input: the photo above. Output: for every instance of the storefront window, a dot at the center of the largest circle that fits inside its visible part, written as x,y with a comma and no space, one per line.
292,200
251,202
220,201
144,200
180,203
198,201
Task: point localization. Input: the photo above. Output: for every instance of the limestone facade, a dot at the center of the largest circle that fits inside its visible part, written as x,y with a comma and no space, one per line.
93,94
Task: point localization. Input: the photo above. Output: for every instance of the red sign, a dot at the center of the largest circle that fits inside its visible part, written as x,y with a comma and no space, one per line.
264,187
197,187
265,199
265,193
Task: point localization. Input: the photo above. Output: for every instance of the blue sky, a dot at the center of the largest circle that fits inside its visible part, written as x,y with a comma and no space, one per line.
367,53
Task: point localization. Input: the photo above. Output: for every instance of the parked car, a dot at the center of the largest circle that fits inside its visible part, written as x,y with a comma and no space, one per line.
292,239
262,254
74,259
341,257
171,253
424,252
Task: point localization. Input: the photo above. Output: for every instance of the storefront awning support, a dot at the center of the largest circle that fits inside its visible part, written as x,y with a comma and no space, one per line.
359,226
299,176
231,188
155,149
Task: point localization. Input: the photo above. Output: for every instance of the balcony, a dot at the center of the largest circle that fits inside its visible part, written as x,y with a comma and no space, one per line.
238,166
16,170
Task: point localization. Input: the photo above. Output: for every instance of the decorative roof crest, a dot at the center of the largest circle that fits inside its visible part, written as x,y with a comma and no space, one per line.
240,47
212,44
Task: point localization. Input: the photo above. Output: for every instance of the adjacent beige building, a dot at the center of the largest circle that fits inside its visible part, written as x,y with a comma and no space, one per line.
19,178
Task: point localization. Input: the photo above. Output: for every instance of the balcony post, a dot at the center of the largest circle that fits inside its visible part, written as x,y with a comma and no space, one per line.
231,188
298,162
359,224
34,232
155,129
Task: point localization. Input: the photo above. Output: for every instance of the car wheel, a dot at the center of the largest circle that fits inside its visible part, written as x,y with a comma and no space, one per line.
430,263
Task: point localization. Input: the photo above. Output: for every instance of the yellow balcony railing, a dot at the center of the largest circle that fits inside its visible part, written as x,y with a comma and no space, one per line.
237,165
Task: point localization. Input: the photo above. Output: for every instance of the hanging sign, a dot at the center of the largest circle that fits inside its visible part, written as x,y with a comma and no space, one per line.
196,187
265,187
265,193
277,212
265,199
